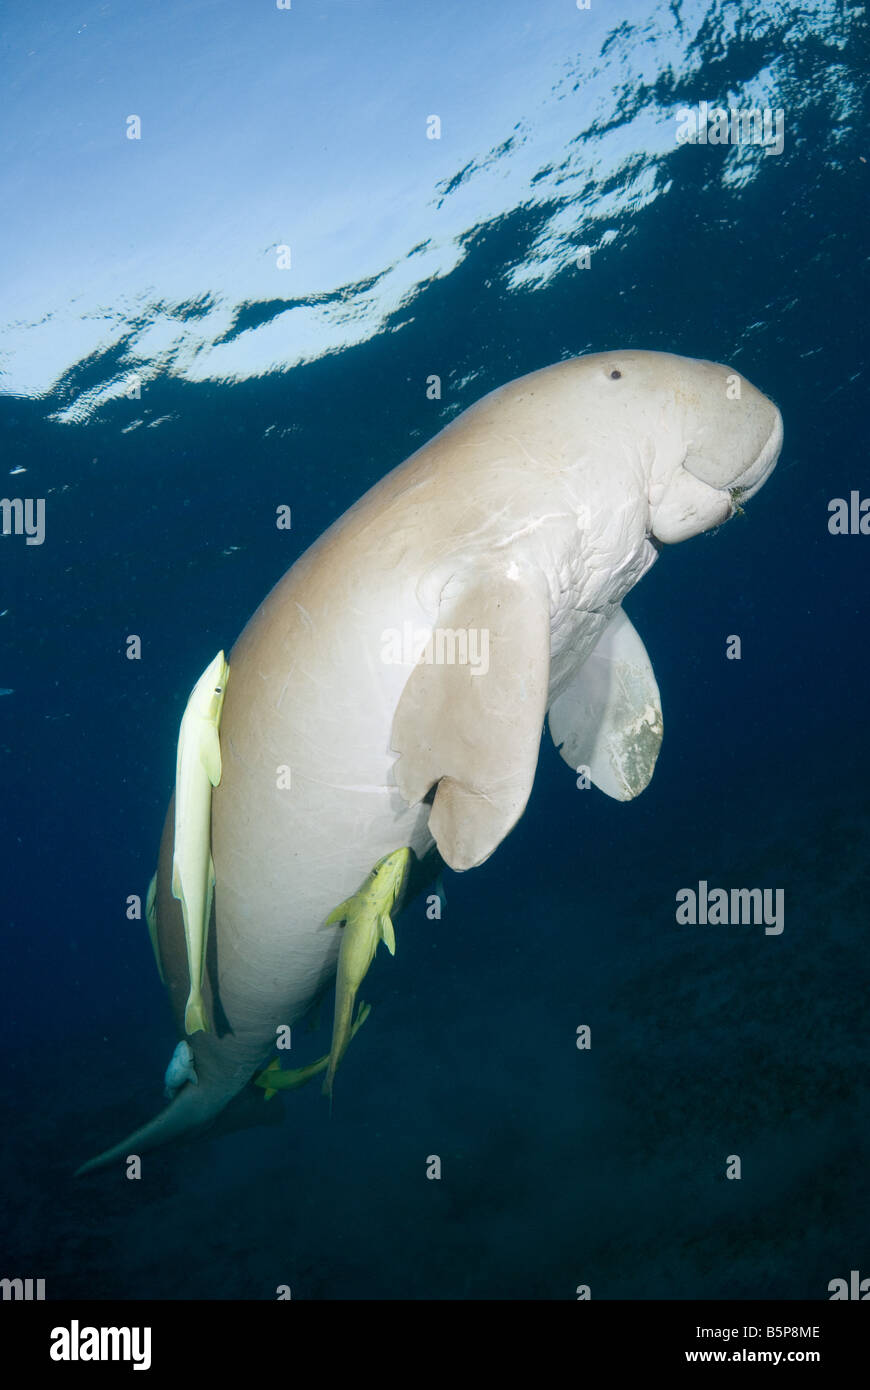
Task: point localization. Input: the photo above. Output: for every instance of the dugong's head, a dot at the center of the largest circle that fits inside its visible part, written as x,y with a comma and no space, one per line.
709,439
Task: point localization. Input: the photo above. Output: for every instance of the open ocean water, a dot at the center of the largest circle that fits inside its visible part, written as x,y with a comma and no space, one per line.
166,384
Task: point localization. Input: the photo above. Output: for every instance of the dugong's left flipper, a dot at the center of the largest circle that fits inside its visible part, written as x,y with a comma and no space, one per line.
474,727
609,718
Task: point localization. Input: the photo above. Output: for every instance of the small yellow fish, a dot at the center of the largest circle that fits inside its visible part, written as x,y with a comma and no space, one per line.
273,1079
366,918
197,770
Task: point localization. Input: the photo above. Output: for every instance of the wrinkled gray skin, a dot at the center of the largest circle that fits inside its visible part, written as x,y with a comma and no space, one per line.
531,516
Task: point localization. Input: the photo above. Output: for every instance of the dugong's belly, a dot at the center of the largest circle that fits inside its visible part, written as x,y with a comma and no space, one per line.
306,804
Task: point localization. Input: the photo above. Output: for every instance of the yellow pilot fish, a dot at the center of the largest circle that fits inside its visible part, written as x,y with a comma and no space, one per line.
366,918
198,769
274,1079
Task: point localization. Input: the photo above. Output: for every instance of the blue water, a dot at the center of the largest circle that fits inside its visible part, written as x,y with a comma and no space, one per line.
156,258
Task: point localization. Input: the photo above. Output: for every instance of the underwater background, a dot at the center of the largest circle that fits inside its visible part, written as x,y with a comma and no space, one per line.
150,265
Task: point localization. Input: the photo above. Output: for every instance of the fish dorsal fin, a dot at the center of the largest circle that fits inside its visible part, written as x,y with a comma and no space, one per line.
339,914
473,728
609,718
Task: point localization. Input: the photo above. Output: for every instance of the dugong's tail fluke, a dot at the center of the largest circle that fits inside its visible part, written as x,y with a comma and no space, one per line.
193,1107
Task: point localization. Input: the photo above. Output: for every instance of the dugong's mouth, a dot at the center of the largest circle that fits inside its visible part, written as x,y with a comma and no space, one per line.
758,472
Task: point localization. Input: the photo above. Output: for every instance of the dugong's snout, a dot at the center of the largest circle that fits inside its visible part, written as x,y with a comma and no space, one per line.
734,431
746,484
728,435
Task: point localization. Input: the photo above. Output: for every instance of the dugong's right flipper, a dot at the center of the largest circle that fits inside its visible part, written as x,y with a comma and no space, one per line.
609,718
474,727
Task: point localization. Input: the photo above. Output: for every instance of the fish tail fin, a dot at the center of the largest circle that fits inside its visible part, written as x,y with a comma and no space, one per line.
270,1091
195,1020
326,1088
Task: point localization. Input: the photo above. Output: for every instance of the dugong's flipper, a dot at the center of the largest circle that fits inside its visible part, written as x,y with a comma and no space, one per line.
275,1078
474,728
609,718
366,918
151,919
198,769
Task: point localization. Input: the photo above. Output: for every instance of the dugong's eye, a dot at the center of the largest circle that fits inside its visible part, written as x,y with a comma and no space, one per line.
615,375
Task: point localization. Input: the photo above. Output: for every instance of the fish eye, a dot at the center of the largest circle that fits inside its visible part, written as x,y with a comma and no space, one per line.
218,689
615,375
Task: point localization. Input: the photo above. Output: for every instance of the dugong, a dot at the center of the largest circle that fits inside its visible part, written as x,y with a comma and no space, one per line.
392,688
